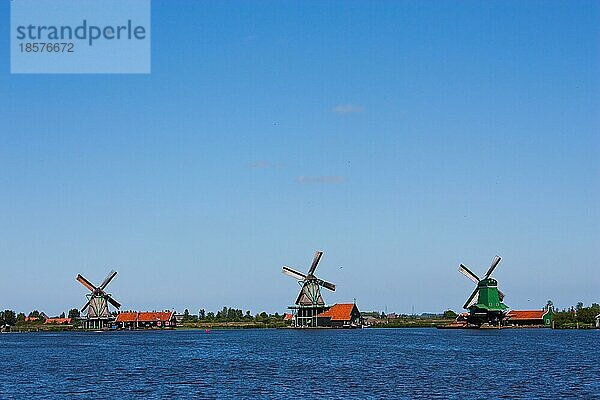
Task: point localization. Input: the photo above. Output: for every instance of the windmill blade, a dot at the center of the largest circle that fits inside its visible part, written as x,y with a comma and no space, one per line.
300,295
316,260
85,283
86,304
107,280
500,295
112,301
495,262
468,273
293,273
471,298
327,285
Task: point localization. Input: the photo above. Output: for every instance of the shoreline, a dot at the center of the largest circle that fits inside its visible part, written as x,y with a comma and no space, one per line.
228,328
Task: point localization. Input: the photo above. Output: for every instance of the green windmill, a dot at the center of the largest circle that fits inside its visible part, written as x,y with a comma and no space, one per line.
485,303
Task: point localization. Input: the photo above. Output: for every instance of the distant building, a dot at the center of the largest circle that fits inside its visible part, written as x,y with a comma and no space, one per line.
392,316
127,319
41,318
288,317
58,321
460,321
345,315
370,320
530,317
146,319
598,321
179,318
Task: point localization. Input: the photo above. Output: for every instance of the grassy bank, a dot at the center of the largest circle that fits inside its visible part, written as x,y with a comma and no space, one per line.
232,325
413,323
41,328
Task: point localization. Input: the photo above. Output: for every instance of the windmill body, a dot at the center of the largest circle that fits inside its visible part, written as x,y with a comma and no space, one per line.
309,302
485,304
98,307
97,314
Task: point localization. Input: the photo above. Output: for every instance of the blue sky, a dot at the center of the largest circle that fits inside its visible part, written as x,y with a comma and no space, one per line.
401,138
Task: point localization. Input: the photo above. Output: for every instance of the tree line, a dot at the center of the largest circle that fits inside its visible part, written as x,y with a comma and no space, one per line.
229,314
577,316
11,318
226,314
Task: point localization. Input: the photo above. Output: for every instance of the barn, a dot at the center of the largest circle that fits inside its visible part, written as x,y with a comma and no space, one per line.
146,319
530,317
127,320
343,315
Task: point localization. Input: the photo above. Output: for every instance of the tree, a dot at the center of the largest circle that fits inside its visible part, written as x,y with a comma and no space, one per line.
186,315
449,314
20,318
8,317
62,315
201,313
34,314
587,315
74,313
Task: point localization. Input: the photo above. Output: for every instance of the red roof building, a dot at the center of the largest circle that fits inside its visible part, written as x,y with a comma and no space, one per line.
288,317
127,316
153,316
525,314
344,315
530,317
146,319
58,321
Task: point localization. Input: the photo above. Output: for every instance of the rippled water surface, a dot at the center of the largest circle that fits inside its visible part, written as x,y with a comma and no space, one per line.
368,363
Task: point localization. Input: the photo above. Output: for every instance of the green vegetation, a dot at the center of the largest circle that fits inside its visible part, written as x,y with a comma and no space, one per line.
231,318
425,320
32,322
414,323
577,317
8,317
449,314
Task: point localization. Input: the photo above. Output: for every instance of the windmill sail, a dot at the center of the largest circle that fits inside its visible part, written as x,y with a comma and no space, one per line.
468,273
293,273
310,293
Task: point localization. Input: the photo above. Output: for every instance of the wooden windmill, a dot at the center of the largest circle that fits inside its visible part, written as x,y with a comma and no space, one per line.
309,302
96,309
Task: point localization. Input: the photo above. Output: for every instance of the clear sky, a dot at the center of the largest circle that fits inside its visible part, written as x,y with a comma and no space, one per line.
401,138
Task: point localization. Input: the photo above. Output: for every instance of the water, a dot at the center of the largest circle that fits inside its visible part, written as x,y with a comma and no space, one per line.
368,363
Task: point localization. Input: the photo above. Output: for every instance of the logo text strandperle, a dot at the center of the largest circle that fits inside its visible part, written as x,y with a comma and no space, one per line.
81,32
